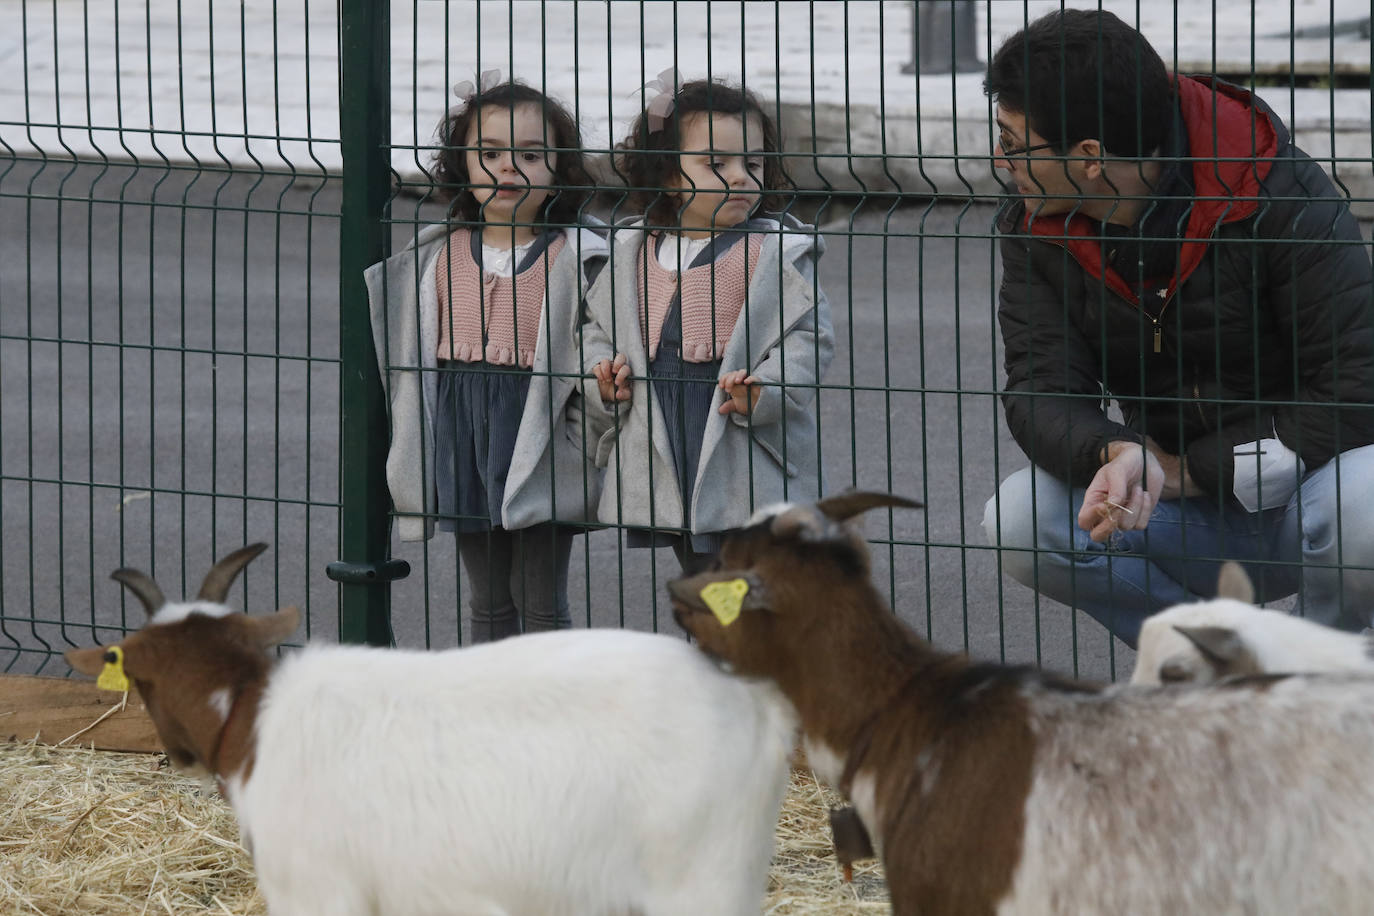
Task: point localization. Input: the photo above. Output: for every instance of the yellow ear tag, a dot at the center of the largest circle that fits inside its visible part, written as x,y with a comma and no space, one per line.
113,676
725,599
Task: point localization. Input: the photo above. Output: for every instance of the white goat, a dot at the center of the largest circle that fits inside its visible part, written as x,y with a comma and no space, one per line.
1205,641
990,789
590,772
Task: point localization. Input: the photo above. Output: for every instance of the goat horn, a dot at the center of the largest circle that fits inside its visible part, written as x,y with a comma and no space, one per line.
221,575
850,503
141,585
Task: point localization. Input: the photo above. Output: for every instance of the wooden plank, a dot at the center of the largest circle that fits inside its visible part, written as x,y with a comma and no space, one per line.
55,708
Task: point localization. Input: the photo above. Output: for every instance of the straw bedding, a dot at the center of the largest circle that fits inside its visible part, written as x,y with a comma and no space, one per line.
89,832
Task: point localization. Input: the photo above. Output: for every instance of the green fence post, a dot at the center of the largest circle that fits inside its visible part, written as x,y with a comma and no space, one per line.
363,572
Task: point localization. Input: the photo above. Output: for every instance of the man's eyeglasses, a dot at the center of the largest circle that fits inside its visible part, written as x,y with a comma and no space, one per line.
1008,153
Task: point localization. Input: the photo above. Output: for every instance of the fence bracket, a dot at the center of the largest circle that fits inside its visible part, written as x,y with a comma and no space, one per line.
367,573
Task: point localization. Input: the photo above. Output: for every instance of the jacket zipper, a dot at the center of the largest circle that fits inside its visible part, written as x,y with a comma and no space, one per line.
1157,322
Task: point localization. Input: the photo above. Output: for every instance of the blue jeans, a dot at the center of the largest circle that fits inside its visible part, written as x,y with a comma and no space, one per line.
1320,546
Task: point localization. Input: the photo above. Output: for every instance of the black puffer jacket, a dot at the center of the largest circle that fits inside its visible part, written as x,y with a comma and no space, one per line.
1267,327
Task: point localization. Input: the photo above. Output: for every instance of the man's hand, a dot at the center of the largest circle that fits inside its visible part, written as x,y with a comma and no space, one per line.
613,378
1123,493
744,392
1177,483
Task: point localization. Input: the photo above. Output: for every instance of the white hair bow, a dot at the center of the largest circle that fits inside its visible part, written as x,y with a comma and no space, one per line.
488,81
660,108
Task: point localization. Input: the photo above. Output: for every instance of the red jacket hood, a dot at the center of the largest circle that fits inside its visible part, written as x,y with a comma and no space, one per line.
1232,137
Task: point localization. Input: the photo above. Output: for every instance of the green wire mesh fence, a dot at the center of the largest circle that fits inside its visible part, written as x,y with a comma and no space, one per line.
190,193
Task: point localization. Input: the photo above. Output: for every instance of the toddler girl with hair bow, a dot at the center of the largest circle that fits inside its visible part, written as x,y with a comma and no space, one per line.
709,334
475,328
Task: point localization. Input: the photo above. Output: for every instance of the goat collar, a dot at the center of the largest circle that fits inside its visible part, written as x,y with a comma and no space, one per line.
864,739
218,749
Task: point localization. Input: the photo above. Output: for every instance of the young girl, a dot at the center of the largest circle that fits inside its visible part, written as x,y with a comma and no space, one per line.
719,310
475,328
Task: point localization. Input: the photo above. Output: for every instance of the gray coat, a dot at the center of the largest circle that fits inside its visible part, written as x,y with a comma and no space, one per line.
549,476
783,334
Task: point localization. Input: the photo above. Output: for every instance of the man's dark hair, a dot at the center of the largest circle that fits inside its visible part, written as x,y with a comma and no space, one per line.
1085,75
648,158
572,184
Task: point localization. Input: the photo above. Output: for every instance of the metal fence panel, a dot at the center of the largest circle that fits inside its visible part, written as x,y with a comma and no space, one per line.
168,335
177,378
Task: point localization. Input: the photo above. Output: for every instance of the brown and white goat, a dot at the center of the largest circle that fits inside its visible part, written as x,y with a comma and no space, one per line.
992,789
567,773
187,644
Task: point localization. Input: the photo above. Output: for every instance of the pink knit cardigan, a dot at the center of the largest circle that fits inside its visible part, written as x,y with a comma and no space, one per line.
512,306
712,297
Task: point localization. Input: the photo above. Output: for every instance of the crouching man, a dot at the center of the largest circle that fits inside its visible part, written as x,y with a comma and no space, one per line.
1170,249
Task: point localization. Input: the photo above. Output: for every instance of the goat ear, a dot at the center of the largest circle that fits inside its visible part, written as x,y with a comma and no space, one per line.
275,629
88,661
142,586
1232,582
757,599
850,503
217,581
1222,647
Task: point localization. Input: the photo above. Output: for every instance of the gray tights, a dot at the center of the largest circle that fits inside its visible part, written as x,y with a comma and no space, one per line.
517,576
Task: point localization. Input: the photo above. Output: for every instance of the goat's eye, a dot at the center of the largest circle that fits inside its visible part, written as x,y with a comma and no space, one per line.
1174,673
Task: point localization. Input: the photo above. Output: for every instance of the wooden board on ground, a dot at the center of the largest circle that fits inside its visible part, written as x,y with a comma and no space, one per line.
55,709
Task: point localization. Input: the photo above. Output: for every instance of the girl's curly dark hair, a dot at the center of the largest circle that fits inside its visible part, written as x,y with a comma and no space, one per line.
648,159
572,184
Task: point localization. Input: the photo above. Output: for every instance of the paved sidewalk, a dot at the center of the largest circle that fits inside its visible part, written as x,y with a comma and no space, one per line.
222,85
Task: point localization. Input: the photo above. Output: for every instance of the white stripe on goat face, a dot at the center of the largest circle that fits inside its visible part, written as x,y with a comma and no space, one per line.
176,612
